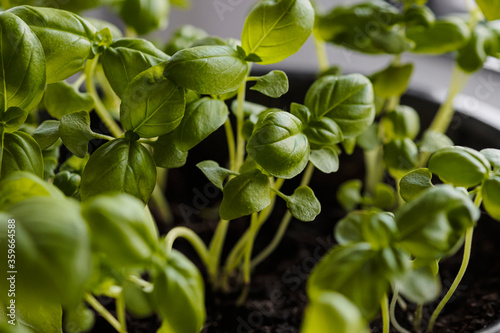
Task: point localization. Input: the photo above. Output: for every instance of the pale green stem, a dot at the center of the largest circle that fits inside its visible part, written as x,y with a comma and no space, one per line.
79,81
240,148
146,285
417,322
278,236
189,235
321,53
456,282
103,137
384,303
101,110
215,250
94,303
374,169
230,144
121,313
161,204
254,226
392,313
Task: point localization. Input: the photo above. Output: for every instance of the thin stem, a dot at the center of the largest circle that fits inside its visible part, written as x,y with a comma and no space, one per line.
121,313
374,169
392,313
247,257
417,322
146,285
192,238
240,148
160,202
456,282
215,250
230,144
79,81
99,106
445,114
384,303
321,53
103,137
94,303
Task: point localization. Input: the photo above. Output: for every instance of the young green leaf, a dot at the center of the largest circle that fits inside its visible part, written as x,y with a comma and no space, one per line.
323,132
122,218
68,182
432,141
47,133
208,70
20,152
274,84
403,122
137,300
12,119
493,156
46,316
303,204
23,65
21,185
278,144
57,29
349,194
460,166
445,35
472,56
302,112
490,9
214,173
52,241
274,30
145,15
126,58
419,15
348,100
183,38
355,271
333,312
166,154
75,132
119,166
201,119
51,160
179,295
384,197
369,140
325,159
401,155
62,98
433,224
245,194
491,197
419,285
414,183
152,105
392,81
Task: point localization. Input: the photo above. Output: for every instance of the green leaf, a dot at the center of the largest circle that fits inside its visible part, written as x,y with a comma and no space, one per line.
51,160
122,218
21,185
44,316
201,119
23,65
214,173
472,56
152,105
432,141
491,197
419,15
179,295
333,312
392,81
126,58
419,285
208,70
278,144
325,159
166,154
349,194
245,194
384,196
184,37
119,166
355,271
47,133
52,240
75,132
20,152
137,300
490,9
79,319
62,98
348,100
369,140
274,30
414,183
401,155
145,15
274,84
56,29
12,119
403,122
493,156
445,35
68,182
378,229
434,223
323,132
303,204
460,166
302,112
